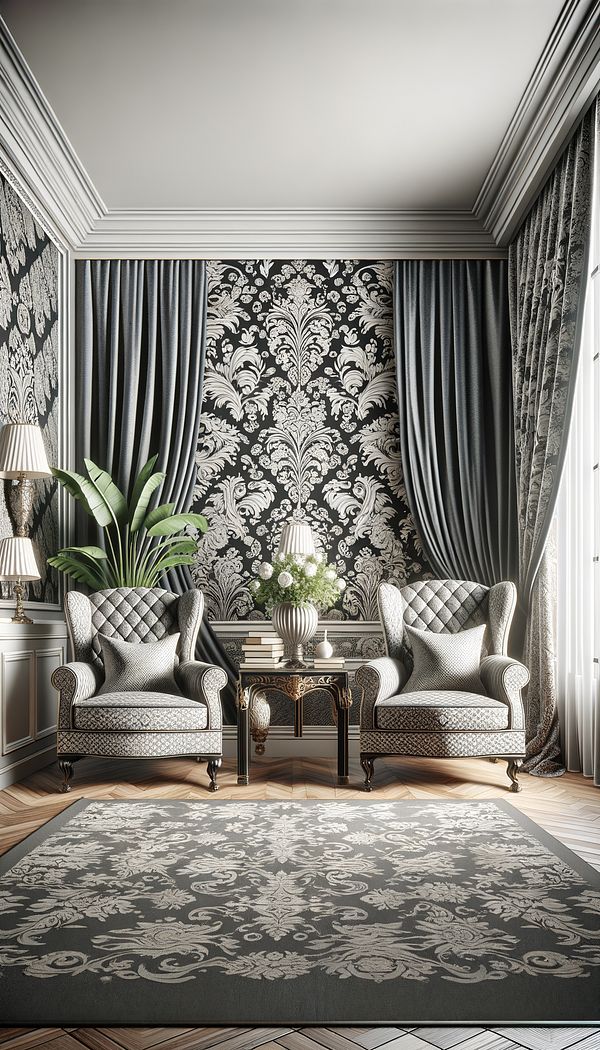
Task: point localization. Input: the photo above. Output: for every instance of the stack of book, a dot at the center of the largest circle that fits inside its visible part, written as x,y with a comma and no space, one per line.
332,663
261,648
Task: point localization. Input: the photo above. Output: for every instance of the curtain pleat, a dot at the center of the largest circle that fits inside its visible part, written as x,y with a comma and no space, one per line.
140,369
547,271
453,362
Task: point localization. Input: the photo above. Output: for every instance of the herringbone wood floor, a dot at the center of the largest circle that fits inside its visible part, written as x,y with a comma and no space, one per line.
568,807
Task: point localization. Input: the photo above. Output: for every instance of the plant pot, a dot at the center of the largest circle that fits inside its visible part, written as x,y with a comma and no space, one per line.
296,624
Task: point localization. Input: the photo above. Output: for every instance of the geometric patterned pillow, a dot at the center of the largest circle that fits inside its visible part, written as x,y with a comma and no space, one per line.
445,661
131,667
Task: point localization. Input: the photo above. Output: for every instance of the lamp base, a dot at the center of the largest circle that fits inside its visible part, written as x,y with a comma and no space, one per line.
20,616
20,498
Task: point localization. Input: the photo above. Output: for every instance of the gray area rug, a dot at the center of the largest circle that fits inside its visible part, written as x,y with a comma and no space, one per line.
200,913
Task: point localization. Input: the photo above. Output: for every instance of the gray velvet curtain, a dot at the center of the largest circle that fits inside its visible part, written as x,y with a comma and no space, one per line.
453,361
547,273
140,363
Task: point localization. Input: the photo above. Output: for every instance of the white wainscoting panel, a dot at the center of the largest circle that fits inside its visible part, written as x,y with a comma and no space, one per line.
29,653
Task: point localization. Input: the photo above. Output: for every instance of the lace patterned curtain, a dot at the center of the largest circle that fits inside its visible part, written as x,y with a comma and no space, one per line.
577,537
547,273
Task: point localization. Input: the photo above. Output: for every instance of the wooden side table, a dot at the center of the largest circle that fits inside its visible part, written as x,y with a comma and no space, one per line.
296,684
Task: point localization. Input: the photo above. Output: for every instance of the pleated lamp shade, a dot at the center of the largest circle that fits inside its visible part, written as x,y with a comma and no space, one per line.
17,559
296,538
22,452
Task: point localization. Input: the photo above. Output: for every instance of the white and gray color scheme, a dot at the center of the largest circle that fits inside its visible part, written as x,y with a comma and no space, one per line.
137,724
451,724
299,414
29,328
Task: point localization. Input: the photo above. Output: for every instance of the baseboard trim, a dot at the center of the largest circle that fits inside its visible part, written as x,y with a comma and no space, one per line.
23,767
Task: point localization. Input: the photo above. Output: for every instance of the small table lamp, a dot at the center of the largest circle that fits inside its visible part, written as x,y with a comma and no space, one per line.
296,538
17,563
22,458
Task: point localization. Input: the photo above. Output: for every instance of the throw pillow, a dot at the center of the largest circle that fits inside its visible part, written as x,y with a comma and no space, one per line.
445,661
131,667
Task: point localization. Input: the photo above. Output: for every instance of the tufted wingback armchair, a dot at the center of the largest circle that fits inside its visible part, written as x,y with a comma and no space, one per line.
140,724
443,723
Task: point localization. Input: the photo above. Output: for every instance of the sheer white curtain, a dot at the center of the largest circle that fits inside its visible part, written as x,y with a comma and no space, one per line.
578,547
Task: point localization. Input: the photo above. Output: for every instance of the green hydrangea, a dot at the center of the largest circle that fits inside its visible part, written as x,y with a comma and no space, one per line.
297,579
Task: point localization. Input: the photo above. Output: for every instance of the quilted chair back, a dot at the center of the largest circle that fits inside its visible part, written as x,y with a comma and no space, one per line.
142,614
446,606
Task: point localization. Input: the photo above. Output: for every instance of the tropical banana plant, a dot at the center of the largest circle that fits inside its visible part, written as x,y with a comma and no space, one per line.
141,544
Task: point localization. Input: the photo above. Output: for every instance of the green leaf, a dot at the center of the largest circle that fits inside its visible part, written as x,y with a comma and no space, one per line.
83,572
142,478
175,545
177,523
159,568
146,483
87,494
110,493
175,559
138,511
96,553
73,483
159,514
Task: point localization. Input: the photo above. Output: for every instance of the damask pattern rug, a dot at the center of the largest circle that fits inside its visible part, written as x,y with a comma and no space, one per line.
190,913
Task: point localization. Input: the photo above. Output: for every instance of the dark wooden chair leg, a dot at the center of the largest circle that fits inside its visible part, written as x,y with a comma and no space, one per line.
367,761
66,767
514,765
212,770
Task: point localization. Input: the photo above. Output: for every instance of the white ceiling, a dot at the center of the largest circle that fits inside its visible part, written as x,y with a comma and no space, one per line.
395,104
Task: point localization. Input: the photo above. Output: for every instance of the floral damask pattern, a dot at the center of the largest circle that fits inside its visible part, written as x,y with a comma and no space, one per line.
165,892
547,268
300,416
28,361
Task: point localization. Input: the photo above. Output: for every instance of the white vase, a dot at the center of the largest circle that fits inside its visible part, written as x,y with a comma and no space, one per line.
324,650
296,624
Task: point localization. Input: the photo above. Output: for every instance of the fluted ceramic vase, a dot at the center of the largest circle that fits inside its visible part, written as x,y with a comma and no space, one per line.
296,624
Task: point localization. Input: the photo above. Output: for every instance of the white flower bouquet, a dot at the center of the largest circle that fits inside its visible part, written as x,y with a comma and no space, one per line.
297,579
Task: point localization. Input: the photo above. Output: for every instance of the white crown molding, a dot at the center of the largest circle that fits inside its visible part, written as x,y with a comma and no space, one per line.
564,81
38,147
34,143
294,233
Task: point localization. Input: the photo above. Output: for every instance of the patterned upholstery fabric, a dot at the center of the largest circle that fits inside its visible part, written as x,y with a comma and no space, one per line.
130,666
133,614
444,745
141,723
396,718
139,712
445,661
139,745
434,712
446,606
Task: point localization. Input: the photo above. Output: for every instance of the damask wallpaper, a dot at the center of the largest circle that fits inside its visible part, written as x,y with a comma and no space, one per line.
29,361
300,417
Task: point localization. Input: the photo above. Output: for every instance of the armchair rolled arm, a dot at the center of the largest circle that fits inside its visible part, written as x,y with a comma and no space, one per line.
203,683
74,681
378,680
503,679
